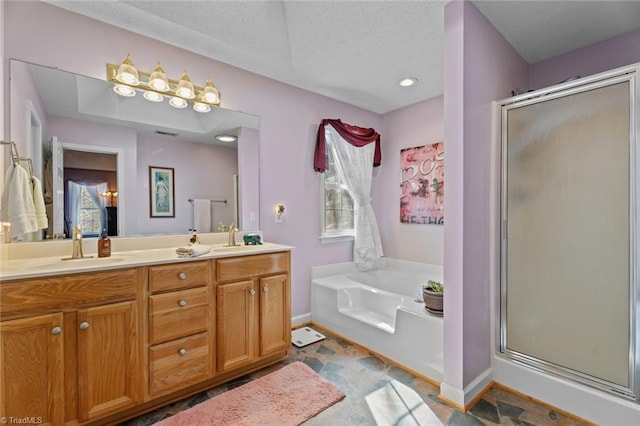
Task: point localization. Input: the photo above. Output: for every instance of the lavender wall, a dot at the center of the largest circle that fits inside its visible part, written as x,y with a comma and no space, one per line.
47,35
491,68
415,125
603,56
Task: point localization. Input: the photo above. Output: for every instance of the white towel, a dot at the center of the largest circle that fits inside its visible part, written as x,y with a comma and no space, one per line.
194,250
38,201
17,201
202,215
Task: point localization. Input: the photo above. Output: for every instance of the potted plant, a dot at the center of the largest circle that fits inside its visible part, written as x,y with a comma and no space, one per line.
432,294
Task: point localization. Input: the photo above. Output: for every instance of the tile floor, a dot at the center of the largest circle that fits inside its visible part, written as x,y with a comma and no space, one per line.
378,393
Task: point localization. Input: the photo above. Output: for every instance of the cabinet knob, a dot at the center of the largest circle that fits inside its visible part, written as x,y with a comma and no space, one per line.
252,292
182,276
182,303
56,330
265,289
84,325
182,352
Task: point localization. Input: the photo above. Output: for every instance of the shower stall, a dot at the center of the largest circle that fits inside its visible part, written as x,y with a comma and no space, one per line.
569,231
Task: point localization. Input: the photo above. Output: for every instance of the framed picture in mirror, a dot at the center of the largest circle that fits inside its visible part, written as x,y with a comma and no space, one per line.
161,192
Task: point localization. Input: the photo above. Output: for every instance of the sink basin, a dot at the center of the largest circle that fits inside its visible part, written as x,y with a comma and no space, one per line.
64,263
226,247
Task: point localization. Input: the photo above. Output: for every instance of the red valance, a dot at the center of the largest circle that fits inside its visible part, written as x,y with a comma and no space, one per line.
356,136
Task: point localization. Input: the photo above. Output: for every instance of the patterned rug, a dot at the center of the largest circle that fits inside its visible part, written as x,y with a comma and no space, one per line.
288,396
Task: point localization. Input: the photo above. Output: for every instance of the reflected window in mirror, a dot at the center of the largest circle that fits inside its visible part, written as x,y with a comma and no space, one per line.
85,208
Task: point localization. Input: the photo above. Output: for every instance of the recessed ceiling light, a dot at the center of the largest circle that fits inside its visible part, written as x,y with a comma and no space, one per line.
226,138
409,81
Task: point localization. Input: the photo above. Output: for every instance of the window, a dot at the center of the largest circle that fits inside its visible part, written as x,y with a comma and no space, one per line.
90,214
337,205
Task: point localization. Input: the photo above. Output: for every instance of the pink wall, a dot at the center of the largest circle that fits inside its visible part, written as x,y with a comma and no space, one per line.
480,67
47,35
603,56
415,125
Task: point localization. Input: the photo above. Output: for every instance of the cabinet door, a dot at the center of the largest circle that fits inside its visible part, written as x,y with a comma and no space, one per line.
237,328
275,317
108,359
31,356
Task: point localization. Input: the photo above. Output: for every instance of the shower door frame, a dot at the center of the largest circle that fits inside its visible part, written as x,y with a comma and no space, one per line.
632,75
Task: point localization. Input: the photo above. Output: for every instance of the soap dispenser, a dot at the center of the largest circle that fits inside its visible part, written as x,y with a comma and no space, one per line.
104,245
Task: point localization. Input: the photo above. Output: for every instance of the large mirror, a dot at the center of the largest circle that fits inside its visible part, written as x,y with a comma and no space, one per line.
94,152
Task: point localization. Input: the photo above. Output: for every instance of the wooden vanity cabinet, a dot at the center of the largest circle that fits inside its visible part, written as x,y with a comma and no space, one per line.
253,308
181,332
69,346
103,347
32,381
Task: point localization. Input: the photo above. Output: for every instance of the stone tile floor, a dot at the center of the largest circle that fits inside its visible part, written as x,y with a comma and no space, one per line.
378,393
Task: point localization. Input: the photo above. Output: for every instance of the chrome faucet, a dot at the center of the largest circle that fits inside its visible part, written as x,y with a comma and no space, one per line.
77,243
232,235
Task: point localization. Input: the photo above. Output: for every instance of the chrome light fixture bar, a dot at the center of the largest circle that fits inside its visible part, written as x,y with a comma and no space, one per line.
156,86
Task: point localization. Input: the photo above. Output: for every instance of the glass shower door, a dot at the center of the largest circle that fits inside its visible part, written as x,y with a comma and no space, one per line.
567,233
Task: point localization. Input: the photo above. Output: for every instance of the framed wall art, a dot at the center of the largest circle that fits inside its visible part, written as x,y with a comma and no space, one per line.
161,192
422,184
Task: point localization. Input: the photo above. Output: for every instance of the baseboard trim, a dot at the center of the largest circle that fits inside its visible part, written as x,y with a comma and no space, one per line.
463,399
301,320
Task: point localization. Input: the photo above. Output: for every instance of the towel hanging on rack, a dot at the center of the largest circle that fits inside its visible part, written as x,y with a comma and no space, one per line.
202,215
18,207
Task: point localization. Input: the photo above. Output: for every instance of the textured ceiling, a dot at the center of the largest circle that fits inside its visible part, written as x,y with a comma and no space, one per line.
356,51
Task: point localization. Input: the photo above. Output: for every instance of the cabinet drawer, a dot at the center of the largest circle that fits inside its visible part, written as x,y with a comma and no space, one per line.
179,363
178,314
67,291
178,276
234,268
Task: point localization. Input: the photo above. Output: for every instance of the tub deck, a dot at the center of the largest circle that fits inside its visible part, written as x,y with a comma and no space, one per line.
394,324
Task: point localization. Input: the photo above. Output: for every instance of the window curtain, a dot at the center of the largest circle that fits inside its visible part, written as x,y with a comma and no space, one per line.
356,136
72,206
72,210
94,192
354,164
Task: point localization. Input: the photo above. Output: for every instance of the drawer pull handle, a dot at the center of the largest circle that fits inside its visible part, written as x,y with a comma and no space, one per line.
182,276
252,292
265,289
182,303
56,330
84,325
182,352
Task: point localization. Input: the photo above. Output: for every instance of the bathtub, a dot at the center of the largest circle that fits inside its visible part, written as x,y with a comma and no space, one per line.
382,310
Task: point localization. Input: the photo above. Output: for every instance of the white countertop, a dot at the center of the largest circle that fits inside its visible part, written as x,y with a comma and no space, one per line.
48,266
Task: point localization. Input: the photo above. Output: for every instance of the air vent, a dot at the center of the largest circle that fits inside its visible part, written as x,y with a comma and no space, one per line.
160,132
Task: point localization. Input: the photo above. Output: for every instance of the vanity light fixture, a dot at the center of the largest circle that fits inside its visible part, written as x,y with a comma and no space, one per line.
407,82
127,73
156,86
185,88
226,138
158,80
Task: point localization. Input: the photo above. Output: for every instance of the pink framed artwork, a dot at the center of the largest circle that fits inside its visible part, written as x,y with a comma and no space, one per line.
422,187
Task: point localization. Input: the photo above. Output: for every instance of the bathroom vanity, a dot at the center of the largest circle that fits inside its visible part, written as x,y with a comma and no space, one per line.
103,340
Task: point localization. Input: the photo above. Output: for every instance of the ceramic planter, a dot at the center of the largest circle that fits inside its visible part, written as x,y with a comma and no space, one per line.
433,302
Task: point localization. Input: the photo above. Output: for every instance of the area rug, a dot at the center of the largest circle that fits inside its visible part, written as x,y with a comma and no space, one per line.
288,396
